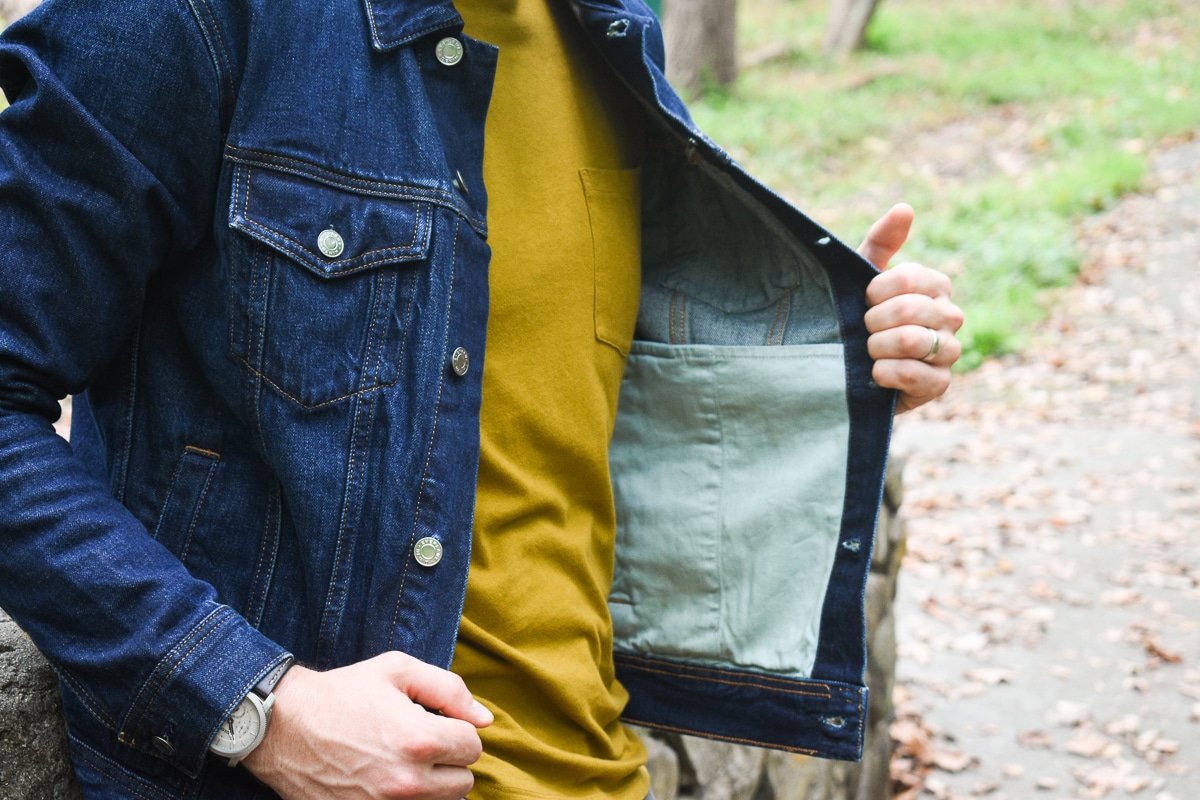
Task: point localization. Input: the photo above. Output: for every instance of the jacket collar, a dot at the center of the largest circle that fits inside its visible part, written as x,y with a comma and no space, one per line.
397,22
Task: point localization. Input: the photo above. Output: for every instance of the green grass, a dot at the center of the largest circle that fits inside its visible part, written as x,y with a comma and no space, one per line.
1056,104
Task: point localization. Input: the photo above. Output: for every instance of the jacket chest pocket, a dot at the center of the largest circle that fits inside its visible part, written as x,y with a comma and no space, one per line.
321,283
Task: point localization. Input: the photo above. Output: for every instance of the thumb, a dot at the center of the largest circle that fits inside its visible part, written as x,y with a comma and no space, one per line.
887,236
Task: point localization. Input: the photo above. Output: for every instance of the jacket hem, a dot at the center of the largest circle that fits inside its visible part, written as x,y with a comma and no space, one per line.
816,718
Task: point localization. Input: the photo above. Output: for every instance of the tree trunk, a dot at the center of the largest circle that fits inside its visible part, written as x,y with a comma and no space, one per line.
848,20
701,43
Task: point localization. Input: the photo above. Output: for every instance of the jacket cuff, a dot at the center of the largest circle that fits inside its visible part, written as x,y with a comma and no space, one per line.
196,686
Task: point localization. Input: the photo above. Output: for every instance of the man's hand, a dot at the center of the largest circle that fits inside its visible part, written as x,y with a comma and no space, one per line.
908,304
363,732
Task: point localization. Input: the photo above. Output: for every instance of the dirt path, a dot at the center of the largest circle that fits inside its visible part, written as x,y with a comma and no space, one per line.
1049,611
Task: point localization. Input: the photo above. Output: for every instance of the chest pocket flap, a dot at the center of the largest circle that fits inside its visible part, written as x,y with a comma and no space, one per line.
330,230
322,279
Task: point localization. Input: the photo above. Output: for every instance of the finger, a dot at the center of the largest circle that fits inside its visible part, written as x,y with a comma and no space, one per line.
917,342
905,309
449,742
453,782
436,688
432,783
887,236
907,278
907,341
916,381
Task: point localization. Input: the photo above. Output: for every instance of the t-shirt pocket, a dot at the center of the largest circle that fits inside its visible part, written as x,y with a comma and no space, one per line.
614,213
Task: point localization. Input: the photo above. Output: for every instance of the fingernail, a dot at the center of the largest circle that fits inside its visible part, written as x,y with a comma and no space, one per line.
482,711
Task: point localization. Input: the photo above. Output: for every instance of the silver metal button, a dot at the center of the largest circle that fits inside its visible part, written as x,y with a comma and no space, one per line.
163,745
459,183
460,362
449,51
330,243
428,551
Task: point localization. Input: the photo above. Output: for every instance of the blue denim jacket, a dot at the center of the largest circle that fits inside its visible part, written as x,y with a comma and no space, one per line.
267,420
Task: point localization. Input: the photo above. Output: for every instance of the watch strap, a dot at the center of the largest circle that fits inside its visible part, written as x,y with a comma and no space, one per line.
265,686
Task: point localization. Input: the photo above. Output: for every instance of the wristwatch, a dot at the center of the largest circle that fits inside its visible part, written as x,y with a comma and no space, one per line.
244,729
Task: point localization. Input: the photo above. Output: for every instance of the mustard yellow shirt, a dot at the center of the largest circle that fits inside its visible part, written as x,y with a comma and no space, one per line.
563,142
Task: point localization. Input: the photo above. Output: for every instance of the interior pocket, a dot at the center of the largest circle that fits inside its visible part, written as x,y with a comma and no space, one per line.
729,469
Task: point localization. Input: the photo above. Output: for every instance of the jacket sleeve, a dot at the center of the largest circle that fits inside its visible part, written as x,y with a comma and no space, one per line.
109,158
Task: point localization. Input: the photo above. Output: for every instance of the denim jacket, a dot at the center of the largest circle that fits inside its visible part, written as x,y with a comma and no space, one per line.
249,236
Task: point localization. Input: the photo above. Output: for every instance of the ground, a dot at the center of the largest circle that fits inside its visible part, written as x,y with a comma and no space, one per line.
1049,608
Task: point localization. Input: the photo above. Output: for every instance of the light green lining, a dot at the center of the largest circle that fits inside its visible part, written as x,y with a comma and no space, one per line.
729,469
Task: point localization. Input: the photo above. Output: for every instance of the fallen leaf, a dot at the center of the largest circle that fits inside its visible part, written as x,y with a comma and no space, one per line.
950,761
1154,649
1145,741
1014,771
1070,714
991,676
1089,744
1190,690
1166,746
1041,740
1135,783
1126,725
1122,597
985,787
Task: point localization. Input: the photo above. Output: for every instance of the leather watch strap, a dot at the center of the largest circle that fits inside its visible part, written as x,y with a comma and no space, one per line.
268,682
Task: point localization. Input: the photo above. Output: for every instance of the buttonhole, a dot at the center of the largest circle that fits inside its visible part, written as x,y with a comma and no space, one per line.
834,722
824,240
854,545
618,29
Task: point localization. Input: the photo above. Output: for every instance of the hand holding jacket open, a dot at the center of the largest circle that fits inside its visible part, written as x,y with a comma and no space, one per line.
910,311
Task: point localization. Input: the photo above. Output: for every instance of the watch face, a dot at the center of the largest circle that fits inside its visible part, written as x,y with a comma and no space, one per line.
242,729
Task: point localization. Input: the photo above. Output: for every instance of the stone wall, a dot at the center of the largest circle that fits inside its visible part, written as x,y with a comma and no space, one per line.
33,739
33,746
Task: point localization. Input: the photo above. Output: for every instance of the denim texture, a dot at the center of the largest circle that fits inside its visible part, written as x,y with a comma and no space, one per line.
264,428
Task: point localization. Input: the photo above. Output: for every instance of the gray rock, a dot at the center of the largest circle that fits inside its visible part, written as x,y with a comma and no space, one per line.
663,764
718,770
34,764
790,777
